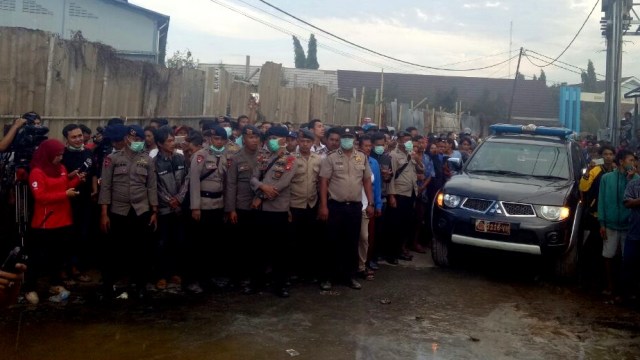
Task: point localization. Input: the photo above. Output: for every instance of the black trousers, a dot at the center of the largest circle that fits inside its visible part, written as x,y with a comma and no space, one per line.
129,249
169,246
273,248
244,241
305,241
49,252
343,236
401,224
208,253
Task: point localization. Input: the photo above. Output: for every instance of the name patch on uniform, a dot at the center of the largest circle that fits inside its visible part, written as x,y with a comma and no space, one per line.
243,167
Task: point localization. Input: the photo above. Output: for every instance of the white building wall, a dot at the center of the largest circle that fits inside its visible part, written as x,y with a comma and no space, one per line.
99,20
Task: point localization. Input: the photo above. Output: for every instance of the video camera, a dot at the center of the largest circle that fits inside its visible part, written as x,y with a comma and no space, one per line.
27,140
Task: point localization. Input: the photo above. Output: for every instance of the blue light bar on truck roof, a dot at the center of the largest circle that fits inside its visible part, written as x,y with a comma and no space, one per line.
531,129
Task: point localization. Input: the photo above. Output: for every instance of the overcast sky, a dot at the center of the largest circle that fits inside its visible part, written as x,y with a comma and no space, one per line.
461,34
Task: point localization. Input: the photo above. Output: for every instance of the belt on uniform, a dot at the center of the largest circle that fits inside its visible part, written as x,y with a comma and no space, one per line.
211,195
345,203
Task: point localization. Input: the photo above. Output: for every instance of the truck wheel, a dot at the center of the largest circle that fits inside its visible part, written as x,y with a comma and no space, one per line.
440,250
566,264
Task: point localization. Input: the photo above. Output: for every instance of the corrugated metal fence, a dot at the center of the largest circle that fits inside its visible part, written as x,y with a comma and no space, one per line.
77,81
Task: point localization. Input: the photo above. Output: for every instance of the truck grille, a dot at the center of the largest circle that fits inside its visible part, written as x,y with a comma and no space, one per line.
515,209
479,205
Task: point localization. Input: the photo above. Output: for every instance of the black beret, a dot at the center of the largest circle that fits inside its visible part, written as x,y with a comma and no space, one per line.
216,131
279,131
307,134
251,130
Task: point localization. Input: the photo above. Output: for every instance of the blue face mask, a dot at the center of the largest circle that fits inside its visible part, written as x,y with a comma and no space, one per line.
137,146
239,140
408,146
216,150
228,130
378,150
273,145
346,143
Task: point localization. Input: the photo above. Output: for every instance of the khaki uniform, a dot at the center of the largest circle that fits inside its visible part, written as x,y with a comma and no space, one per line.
238,194
207,194
278,176
304,185
231,148
345,175
407,181
128,180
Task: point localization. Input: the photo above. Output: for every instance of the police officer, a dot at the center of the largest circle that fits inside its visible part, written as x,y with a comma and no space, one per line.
402,192
343,173
129,209
231,146
304,206
238,197
206,187
271,182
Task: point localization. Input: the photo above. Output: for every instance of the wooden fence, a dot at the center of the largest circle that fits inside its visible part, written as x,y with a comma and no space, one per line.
78,81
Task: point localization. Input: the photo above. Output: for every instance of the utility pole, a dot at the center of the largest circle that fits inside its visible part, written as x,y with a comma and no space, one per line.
613,10
515,82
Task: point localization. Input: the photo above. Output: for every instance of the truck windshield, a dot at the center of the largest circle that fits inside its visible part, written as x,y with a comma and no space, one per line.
542,161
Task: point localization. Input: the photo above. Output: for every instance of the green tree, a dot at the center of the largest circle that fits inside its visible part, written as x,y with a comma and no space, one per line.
535,77
589,80
520,76
542,77
312,53
182,59
298,54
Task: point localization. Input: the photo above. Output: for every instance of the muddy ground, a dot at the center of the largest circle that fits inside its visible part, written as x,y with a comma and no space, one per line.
497,309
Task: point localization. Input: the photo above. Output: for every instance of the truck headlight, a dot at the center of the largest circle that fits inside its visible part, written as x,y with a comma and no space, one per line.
554,213
451,201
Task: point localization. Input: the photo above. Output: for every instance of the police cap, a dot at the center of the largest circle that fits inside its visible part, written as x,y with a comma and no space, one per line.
279,131
250,130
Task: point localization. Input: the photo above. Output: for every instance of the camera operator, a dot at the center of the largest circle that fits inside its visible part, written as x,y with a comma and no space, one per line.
10,133
10,283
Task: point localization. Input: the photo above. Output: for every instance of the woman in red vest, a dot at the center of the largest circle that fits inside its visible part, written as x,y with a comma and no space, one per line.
48,247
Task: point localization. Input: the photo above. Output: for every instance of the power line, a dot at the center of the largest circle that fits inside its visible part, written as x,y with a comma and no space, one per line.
376,52
574,38
386,65
528,57
564,63
364,61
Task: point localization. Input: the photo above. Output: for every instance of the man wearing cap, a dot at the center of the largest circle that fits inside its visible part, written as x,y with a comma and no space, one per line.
292,141
238,197
129,209
206,187
271,182
304,209
343,173
402,191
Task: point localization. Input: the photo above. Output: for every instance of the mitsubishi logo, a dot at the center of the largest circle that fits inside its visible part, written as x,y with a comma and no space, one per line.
495,209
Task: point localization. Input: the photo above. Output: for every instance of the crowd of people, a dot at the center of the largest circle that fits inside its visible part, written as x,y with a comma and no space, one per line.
253,207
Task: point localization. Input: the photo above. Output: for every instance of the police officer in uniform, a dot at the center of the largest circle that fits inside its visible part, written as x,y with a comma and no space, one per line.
271,182
402,192
343,173
206,187
238,197
304,206
129,209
